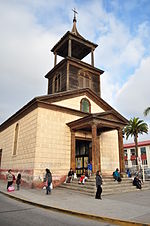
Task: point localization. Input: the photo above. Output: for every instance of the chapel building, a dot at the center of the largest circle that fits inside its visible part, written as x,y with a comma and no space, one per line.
69,127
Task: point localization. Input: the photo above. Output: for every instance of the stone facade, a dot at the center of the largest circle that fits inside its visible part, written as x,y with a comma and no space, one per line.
47,131
109,152
23,160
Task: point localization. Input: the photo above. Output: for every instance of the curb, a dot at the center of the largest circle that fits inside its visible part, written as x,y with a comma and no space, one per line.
79,214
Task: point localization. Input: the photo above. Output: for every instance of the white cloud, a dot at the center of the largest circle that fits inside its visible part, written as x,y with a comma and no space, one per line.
25,58
133,97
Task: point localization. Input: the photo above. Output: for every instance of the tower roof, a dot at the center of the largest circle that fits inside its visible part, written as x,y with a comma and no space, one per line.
80,46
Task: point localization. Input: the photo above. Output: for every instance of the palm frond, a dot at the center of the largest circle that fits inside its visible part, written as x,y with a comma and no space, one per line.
147,111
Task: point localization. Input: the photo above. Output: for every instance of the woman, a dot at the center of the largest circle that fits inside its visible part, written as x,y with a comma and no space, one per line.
48,179
98,185
9,178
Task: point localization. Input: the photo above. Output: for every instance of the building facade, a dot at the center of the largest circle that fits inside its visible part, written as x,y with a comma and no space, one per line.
71,126
143,154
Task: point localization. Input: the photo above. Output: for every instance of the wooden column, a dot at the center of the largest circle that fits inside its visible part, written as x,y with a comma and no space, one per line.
73,146
55,59
92,57
69,48
98,154
94,144
121,151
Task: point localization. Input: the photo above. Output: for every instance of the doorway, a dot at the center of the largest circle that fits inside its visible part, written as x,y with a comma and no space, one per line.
83,155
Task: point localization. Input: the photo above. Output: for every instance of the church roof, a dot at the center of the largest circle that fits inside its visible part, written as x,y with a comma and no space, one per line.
73,60
80,47
48,101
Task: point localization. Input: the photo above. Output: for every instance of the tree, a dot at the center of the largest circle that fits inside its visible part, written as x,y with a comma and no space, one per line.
135,127
147,111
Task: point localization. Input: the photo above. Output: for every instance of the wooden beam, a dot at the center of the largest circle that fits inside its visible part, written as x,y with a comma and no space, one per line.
98,154
121,151
73,146
55,59
94,144
69,48
92,57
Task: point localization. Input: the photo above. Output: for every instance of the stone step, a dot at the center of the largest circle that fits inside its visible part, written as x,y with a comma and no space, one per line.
82,189
105,192
105,179
78,186
109,186
105,185
92,186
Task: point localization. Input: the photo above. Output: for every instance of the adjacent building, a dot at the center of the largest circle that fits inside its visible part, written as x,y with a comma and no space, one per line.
143,154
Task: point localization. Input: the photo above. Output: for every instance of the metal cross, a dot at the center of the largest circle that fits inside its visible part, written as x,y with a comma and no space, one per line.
75,12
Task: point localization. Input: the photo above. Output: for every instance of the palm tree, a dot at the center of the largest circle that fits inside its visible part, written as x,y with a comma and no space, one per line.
147,111
135,127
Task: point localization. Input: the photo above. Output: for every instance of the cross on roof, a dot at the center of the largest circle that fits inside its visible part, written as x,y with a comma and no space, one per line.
75,12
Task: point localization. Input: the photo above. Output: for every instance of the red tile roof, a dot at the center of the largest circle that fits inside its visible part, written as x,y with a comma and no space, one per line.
142,143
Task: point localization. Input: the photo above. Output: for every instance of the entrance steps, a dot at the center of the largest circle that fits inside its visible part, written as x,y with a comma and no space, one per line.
109,186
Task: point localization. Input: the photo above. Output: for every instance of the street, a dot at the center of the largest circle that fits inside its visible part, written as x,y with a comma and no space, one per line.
15,213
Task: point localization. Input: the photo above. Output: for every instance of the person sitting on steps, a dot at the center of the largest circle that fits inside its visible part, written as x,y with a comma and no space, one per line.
116,175
137,182
70,176
84,177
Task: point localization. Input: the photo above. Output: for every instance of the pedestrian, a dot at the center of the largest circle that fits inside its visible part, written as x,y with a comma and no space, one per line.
98,185
9,178
48,179
128,173
18,180
90,168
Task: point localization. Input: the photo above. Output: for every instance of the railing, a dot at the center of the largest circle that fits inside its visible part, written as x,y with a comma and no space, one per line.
142,171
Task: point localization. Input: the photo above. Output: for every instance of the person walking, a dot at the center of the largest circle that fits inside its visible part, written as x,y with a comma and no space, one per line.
18,180
48,179
9,178
98,185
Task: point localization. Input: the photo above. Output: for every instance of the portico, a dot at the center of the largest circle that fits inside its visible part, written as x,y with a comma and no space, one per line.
96,124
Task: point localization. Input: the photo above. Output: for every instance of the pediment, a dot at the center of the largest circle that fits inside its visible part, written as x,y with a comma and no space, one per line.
111,116
103,109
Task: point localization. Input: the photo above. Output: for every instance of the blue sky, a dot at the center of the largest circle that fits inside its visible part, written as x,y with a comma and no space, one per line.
121,28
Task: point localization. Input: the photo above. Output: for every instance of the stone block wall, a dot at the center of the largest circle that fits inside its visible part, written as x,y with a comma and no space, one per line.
53,147
109,149
23,160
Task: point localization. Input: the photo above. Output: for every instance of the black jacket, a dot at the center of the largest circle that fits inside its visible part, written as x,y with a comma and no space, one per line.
98,180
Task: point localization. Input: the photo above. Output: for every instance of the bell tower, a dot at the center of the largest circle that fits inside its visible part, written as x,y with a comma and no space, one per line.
72,73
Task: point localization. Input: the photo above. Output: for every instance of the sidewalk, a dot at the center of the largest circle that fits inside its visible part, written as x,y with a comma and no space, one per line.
122,209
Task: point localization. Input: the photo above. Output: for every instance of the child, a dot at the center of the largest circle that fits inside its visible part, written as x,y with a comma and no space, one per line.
18,181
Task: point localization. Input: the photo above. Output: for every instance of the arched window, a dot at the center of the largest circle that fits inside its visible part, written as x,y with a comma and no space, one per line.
16,139
84,79
56,83
85,105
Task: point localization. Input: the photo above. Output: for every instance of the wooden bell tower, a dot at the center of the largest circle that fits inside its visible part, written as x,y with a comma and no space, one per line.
72,73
